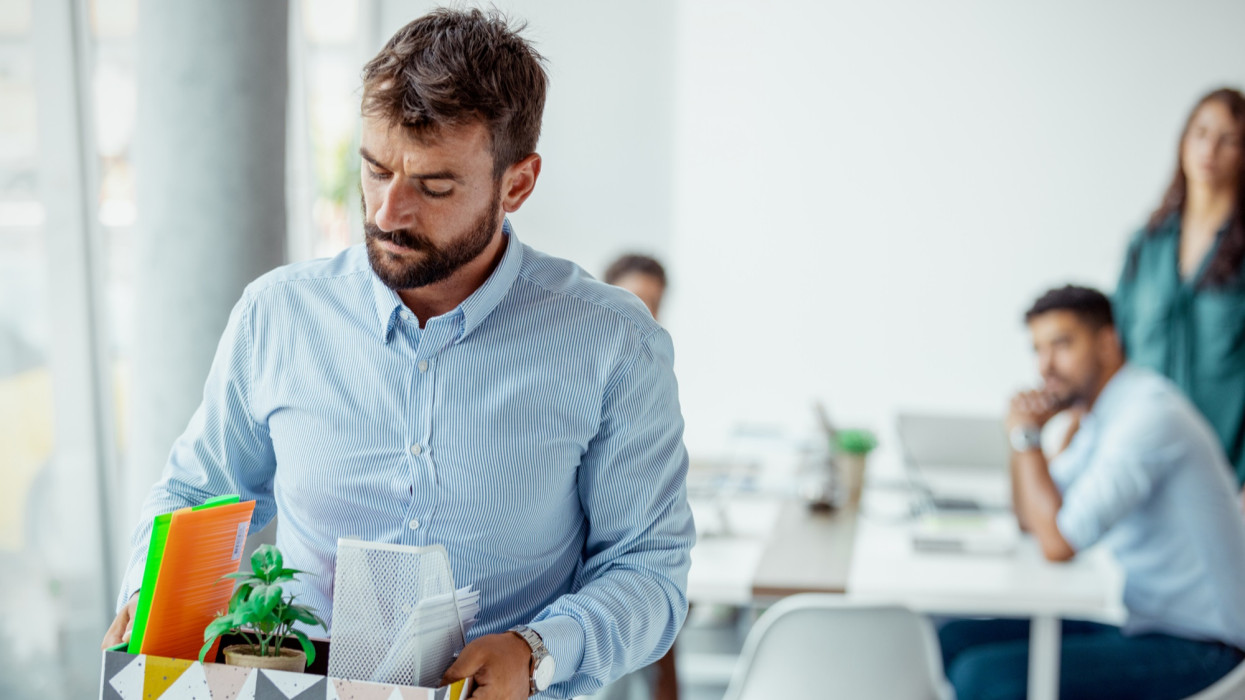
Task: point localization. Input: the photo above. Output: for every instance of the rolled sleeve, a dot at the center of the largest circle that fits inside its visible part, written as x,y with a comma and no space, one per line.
631,598
1127,464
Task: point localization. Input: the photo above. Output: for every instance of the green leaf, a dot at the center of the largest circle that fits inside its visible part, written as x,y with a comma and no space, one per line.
306,615
259,591
261,603
308,648
266,560
240,596
206,648
221,625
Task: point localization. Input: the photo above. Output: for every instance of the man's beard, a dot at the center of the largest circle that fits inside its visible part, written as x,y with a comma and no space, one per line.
1073,395
437,263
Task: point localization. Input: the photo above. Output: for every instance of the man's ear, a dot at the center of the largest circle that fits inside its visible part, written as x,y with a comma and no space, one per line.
1109,345
518,182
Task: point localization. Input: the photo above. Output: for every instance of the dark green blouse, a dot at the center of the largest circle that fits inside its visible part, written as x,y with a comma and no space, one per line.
1192,333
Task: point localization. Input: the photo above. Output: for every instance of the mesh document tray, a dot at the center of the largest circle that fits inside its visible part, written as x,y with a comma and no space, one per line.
395,614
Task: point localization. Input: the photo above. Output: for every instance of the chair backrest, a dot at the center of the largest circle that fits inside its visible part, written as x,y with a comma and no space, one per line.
1230,687
824,646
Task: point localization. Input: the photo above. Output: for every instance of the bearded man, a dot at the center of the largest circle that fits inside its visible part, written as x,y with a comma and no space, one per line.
444,383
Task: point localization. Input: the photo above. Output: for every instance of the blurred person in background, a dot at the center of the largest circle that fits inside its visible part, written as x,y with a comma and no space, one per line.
1145,476
642,276
1180,303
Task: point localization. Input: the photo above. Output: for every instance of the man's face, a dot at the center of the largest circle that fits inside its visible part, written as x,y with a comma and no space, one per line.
1070,355
430,204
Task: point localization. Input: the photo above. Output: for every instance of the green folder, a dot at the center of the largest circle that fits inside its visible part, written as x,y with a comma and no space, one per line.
151,573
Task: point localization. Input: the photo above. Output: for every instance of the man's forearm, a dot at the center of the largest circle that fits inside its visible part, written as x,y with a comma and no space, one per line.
1037,501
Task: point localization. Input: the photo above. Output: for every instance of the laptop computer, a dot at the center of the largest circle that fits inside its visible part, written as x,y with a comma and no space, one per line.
956,462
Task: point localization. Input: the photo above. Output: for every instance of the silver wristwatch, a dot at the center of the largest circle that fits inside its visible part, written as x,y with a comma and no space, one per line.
1026,437
542,661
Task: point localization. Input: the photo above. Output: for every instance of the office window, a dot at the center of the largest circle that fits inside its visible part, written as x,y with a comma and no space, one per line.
63,64
329,45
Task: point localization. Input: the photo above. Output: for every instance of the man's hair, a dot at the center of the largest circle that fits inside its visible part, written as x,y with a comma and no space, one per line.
454,67
1090,305
629,264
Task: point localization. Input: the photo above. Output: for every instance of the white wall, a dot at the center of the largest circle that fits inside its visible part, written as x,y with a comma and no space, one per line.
868,195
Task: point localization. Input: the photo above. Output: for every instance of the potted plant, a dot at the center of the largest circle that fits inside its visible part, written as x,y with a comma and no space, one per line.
853,447
264,614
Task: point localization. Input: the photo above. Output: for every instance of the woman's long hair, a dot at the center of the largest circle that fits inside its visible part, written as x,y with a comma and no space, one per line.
1225,266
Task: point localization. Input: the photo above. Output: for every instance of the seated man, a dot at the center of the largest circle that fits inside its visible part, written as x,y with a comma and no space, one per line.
641,275
1143,474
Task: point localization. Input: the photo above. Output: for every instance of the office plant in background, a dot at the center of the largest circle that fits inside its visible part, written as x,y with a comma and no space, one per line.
852,448
264,615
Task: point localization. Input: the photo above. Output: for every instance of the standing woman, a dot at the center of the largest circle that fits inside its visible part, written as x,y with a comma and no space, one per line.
1180,304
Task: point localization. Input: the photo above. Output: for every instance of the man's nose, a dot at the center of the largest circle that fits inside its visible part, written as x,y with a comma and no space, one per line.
397,208
1045,363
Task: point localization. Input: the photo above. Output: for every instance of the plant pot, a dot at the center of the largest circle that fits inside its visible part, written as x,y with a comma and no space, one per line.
247,655
851,476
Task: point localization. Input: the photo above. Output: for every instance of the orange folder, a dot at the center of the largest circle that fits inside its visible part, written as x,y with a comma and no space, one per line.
203,546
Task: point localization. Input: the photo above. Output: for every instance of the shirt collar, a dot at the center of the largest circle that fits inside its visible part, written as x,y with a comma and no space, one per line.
388,305
482,301
475,308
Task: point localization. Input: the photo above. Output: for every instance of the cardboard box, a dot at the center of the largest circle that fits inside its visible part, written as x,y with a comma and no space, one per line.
146,677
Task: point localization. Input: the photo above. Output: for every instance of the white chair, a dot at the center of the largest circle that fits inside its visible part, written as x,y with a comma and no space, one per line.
1230,687
824,646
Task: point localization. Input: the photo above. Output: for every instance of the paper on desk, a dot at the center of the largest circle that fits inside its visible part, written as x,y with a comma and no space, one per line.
966,533
397,617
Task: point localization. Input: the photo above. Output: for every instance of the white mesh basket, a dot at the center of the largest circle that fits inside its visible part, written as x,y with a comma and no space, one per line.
395,614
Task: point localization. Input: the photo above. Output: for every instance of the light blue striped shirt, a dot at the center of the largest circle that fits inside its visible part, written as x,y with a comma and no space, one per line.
1146,476
534,430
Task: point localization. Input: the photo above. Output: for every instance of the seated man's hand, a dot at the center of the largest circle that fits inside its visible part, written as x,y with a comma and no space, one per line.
499,665
1033,408
122,626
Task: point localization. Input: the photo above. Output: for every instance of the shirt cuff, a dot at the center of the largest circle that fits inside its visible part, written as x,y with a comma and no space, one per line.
564,638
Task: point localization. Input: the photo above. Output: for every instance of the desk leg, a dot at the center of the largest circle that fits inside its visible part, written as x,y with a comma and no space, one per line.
1044,648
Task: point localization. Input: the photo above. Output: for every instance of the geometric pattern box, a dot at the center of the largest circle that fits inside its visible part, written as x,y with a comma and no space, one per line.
144,677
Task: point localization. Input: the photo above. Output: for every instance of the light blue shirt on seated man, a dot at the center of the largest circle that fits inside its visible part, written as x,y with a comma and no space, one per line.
534,430
1146,476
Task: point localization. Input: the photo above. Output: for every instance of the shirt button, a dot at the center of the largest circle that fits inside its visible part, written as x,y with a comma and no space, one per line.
416,450
414,524
423,365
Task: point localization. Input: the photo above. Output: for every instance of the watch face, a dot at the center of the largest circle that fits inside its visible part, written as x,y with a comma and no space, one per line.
543,673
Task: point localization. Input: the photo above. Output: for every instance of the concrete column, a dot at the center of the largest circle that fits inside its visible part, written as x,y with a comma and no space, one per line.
210,192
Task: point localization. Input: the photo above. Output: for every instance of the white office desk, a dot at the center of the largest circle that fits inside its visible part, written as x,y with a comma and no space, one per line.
726,555
886,568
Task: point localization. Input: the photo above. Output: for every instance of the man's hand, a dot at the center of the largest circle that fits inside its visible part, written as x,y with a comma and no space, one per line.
1031,408
122,626
499,665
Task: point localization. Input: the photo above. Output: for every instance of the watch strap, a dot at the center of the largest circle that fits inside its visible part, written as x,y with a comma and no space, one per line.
1025,438
539,653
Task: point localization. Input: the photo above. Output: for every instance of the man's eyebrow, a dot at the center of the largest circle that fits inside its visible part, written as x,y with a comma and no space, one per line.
369,157
438,175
